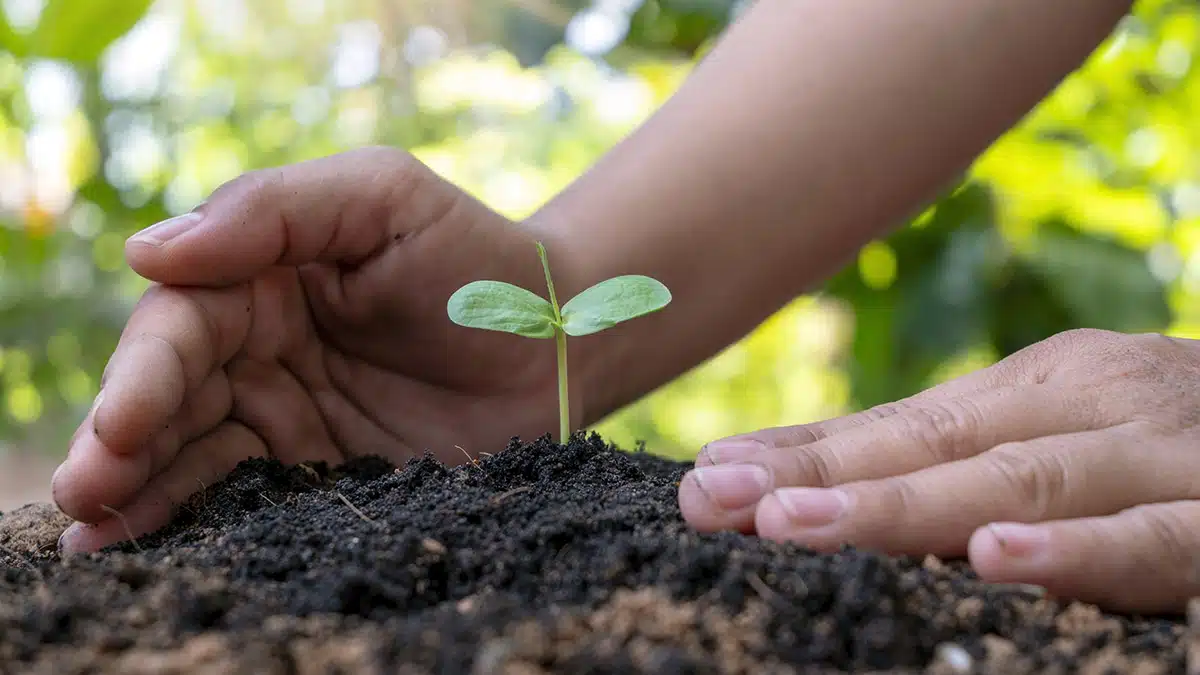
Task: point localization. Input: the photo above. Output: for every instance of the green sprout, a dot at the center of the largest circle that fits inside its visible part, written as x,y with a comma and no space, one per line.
499,306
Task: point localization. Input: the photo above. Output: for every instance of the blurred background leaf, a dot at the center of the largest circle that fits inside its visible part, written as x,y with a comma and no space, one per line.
80,30
10,41
117,113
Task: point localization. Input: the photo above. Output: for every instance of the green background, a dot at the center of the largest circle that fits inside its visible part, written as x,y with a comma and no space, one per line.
117,113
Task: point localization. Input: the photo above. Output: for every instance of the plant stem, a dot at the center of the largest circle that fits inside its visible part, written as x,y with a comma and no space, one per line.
564,405
560,341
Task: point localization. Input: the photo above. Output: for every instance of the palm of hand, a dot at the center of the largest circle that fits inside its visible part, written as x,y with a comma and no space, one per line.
336,344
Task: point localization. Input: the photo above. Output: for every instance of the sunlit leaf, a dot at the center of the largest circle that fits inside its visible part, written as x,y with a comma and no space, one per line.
1100,282
80,30
613,301
495,305
681,27
10,41
1025,311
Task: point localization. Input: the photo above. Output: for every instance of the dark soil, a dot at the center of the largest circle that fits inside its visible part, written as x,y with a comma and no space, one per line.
540,559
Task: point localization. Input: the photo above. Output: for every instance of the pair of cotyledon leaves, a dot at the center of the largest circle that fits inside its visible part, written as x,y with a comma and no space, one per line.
499,306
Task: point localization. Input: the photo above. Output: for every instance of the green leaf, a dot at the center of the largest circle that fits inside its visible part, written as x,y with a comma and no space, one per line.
611,302
495,305
1101,283
80,30
9,40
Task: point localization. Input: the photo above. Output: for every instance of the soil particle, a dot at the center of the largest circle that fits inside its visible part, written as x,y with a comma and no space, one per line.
539,559
31,531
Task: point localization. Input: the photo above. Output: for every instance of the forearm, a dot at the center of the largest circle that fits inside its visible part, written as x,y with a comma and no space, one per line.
813,127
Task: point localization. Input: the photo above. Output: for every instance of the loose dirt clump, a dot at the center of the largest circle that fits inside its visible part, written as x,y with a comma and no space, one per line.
541,559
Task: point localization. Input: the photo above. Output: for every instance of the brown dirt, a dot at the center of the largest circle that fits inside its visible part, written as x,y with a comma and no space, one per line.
541,559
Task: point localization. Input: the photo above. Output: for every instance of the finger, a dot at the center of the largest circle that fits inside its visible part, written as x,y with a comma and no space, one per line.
202,462
341,208
922,435
172,343
93,476
1025,367
354,397
204,411
1145,559
271,401
936,510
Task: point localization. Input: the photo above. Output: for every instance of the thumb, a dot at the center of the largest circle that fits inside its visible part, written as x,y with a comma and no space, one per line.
343,208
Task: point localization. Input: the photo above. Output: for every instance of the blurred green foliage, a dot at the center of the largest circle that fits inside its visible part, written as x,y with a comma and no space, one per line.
117,113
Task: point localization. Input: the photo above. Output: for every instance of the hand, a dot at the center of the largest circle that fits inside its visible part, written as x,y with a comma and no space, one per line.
1073,464
301,313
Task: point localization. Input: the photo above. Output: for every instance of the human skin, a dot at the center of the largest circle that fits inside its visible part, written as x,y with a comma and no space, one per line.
810,129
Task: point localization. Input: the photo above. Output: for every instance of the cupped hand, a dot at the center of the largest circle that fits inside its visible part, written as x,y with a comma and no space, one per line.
300,313
1073,465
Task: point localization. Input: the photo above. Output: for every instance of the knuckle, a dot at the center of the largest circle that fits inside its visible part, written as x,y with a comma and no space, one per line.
1153,342
178,367
938,429
1167,530
782,437
812,465
397,169
1078,336
187,330
1050,354
1163,356
884,411
899,499
252,186
1161,371
1142,355
1037,480
791,436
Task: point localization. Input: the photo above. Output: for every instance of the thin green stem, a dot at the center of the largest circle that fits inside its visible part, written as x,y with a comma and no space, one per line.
564,398
549,280
560,341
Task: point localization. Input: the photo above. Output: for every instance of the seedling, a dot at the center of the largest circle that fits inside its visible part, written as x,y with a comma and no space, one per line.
499,306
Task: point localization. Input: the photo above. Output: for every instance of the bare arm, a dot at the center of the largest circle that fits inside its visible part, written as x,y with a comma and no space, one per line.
813,127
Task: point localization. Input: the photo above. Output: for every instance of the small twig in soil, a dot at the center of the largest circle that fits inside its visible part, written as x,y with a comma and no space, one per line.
124,523
203,493
354,508
24,562
486,454
474,462
515,491
1032,590
764,591
268,500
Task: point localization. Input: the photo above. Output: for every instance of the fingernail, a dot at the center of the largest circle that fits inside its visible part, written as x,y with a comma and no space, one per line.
67,540
733,486
1019,541
813,507
95,409
724,452
160,233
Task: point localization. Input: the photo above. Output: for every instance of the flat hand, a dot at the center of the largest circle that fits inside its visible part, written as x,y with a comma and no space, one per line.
301,314
1073,464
